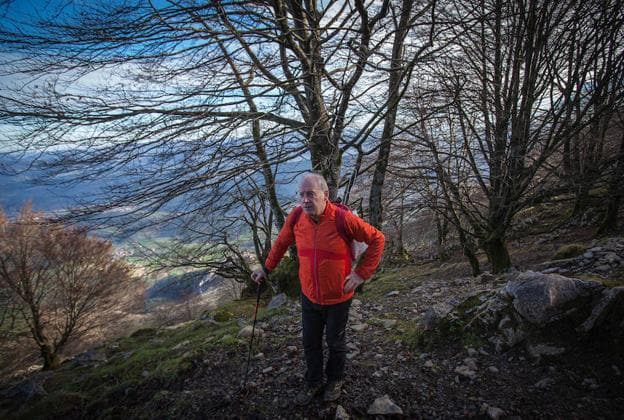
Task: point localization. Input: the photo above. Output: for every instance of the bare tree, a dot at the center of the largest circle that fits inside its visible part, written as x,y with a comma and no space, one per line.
289,69
56,279
176,103
588,152
405,56
615,191
516,80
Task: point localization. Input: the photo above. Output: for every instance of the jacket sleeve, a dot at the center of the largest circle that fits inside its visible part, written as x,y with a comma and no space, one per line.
285,238
364,232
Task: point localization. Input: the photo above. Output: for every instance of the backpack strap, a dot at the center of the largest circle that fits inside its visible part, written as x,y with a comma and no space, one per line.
295,217
341,227
340,224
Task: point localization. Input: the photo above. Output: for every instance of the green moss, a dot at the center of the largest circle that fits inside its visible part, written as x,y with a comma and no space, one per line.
569,251
410,334
381,284
468,305
229,340
616,281
450,329
613,282
144,332
222,315
242,308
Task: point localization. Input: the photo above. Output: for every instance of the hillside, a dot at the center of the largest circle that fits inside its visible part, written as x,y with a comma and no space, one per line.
401,344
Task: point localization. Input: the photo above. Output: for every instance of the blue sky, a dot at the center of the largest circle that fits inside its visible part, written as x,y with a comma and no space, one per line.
25,11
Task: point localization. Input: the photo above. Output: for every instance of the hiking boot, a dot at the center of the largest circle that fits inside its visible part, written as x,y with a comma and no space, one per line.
307,394
332,391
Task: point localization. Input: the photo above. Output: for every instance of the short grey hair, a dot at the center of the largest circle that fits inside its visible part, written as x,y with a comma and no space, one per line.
318,179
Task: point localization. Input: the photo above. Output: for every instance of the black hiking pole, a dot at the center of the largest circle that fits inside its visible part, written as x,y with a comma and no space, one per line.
253,330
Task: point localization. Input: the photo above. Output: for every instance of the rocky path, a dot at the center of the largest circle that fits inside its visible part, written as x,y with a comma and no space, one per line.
402,363
387,375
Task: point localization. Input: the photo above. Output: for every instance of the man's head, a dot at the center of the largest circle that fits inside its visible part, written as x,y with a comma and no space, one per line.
313,194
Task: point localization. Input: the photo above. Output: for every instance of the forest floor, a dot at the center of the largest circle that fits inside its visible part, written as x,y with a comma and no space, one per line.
197,369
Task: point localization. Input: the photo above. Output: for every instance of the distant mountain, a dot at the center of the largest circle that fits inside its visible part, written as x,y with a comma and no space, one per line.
16,190
177,287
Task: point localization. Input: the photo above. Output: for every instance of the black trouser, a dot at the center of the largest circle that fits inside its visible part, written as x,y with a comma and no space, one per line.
332,318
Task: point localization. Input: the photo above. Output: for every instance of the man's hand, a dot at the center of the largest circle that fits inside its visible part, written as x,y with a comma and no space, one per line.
259,275
352,281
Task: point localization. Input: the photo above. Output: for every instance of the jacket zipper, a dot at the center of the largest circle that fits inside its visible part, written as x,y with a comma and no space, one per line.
315,268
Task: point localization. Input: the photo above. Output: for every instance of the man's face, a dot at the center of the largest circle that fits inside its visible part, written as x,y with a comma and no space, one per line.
312,198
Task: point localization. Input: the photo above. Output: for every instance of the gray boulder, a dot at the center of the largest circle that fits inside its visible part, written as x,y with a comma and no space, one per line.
543,298
532,303
277,301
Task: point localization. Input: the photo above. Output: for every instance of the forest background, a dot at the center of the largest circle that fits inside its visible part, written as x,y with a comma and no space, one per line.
193,119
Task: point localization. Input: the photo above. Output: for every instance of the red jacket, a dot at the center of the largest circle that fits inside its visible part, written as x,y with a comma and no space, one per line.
324,256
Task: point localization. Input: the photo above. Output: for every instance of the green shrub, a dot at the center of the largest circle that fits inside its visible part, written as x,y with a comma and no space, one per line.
222,315
569,251
286,277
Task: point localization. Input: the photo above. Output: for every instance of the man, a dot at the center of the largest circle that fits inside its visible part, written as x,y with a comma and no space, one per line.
327,279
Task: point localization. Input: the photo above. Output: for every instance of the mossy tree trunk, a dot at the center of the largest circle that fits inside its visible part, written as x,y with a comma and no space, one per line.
51,359
497,253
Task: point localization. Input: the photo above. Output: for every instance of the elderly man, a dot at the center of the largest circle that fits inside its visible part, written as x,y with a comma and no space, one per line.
323,233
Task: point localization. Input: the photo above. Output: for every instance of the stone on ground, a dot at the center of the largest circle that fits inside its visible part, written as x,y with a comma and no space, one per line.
384,406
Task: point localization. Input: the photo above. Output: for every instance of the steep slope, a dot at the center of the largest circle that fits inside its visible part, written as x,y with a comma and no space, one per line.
399,343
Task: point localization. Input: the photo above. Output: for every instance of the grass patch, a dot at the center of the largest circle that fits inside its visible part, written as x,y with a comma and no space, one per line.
469,339
613,282
569,251
401,279
616,281
244,308
410,333
148,356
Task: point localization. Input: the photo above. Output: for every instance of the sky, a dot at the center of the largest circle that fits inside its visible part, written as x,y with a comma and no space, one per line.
27,11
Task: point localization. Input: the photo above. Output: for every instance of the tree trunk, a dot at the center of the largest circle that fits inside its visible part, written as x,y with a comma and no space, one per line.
442,229
469,252
472,260
581,200
397,74
609,222
327,163
51,359
498,255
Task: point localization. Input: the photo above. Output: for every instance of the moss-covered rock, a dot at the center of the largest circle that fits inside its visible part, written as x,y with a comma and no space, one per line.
222,315
569,251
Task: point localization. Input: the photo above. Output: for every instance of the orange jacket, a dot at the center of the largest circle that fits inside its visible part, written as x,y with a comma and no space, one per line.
324,256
